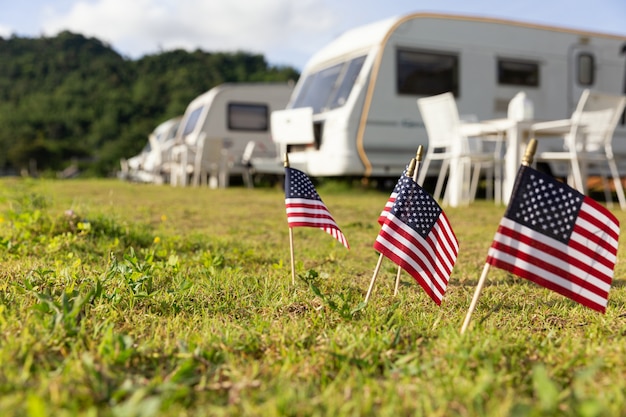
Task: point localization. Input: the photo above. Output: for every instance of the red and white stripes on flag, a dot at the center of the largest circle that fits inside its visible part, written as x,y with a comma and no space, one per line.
305,207
388,205
306,213
558,238
417,236
391,199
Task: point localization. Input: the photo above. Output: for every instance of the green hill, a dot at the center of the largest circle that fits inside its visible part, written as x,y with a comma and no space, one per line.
72,98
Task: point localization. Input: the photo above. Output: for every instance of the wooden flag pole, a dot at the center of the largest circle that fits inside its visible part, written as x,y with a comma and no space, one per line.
410,172
418,160
527,160
395,289
479,288
369,290
293,262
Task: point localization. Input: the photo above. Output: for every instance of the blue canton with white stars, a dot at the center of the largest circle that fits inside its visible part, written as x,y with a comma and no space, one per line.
544,204
396,188
415,207
298,185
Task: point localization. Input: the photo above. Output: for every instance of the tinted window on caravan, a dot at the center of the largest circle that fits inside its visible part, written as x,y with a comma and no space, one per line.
514,72
427,73
349,74
192,120
329,88
246,116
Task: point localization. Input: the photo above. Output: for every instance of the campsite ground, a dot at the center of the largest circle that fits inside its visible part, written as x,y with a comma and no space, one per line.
136,300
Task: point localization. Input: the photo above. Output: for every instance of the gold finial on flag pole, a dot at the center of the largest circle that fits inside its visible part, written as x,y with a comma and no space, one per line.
418,161
286,160
411,169
527,160
419,153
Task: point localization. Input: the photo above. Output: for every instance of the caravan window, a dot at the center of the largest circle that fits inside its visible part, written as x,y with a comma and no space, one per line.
172,133
247,116
192,120
329,88
585,69
515,72
426,73
345,83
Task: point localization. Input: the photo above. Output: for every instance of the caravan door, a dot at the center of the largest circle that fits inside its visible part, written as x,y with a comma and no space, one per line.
582,63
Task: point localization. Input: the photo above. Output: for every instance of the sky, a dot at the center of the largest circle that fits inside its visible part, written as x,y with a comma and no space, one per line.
286,32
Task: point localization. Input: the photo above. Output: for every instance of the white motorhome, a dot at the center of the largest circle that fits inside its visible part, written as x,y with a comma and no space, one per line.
235,114
353,111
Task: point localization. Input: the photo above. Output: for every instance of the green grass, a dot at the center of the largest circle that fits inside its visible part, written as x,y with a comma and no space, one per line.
157,301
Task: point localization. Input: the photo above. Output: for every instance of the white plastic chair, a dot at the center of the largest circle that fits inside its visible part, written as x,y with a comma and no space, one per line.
210,165
154,164
180,165
448,138
587,139
205,163
246,165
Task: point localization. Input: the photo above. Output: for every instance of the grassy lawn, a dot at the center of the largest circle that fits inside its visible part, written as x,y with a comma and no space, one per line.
120,299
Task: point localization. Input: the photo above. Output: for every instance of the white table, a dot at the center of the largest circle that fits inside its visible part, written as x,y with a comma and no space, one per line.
515,133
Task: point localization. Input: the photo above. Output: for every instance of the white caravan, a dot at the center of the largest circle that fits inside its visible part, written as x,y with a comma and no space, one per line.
150,164
353,111
235,114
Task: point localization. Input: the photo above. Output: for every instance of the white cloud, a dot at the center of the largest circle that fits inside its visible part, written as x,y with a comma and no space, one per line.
5,31
285,31
278,28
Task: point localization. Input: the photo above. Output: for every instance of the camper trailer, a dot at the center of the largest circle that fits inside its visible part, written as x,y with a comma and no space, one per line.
353,111
227,120
150,165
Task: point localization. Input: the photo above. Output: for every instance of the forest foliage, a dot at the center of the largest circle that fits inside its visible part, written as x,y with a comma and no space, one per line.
72,99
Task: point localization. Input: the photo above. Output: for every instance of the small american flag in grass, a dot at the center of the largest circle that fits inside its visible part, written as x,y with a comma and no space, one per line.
305,207
555,236
417,236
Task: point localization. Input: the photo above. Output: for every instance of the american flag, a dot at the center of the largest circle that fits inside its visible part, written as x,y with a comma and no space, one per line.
417,236
305,207
558,238
391,199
